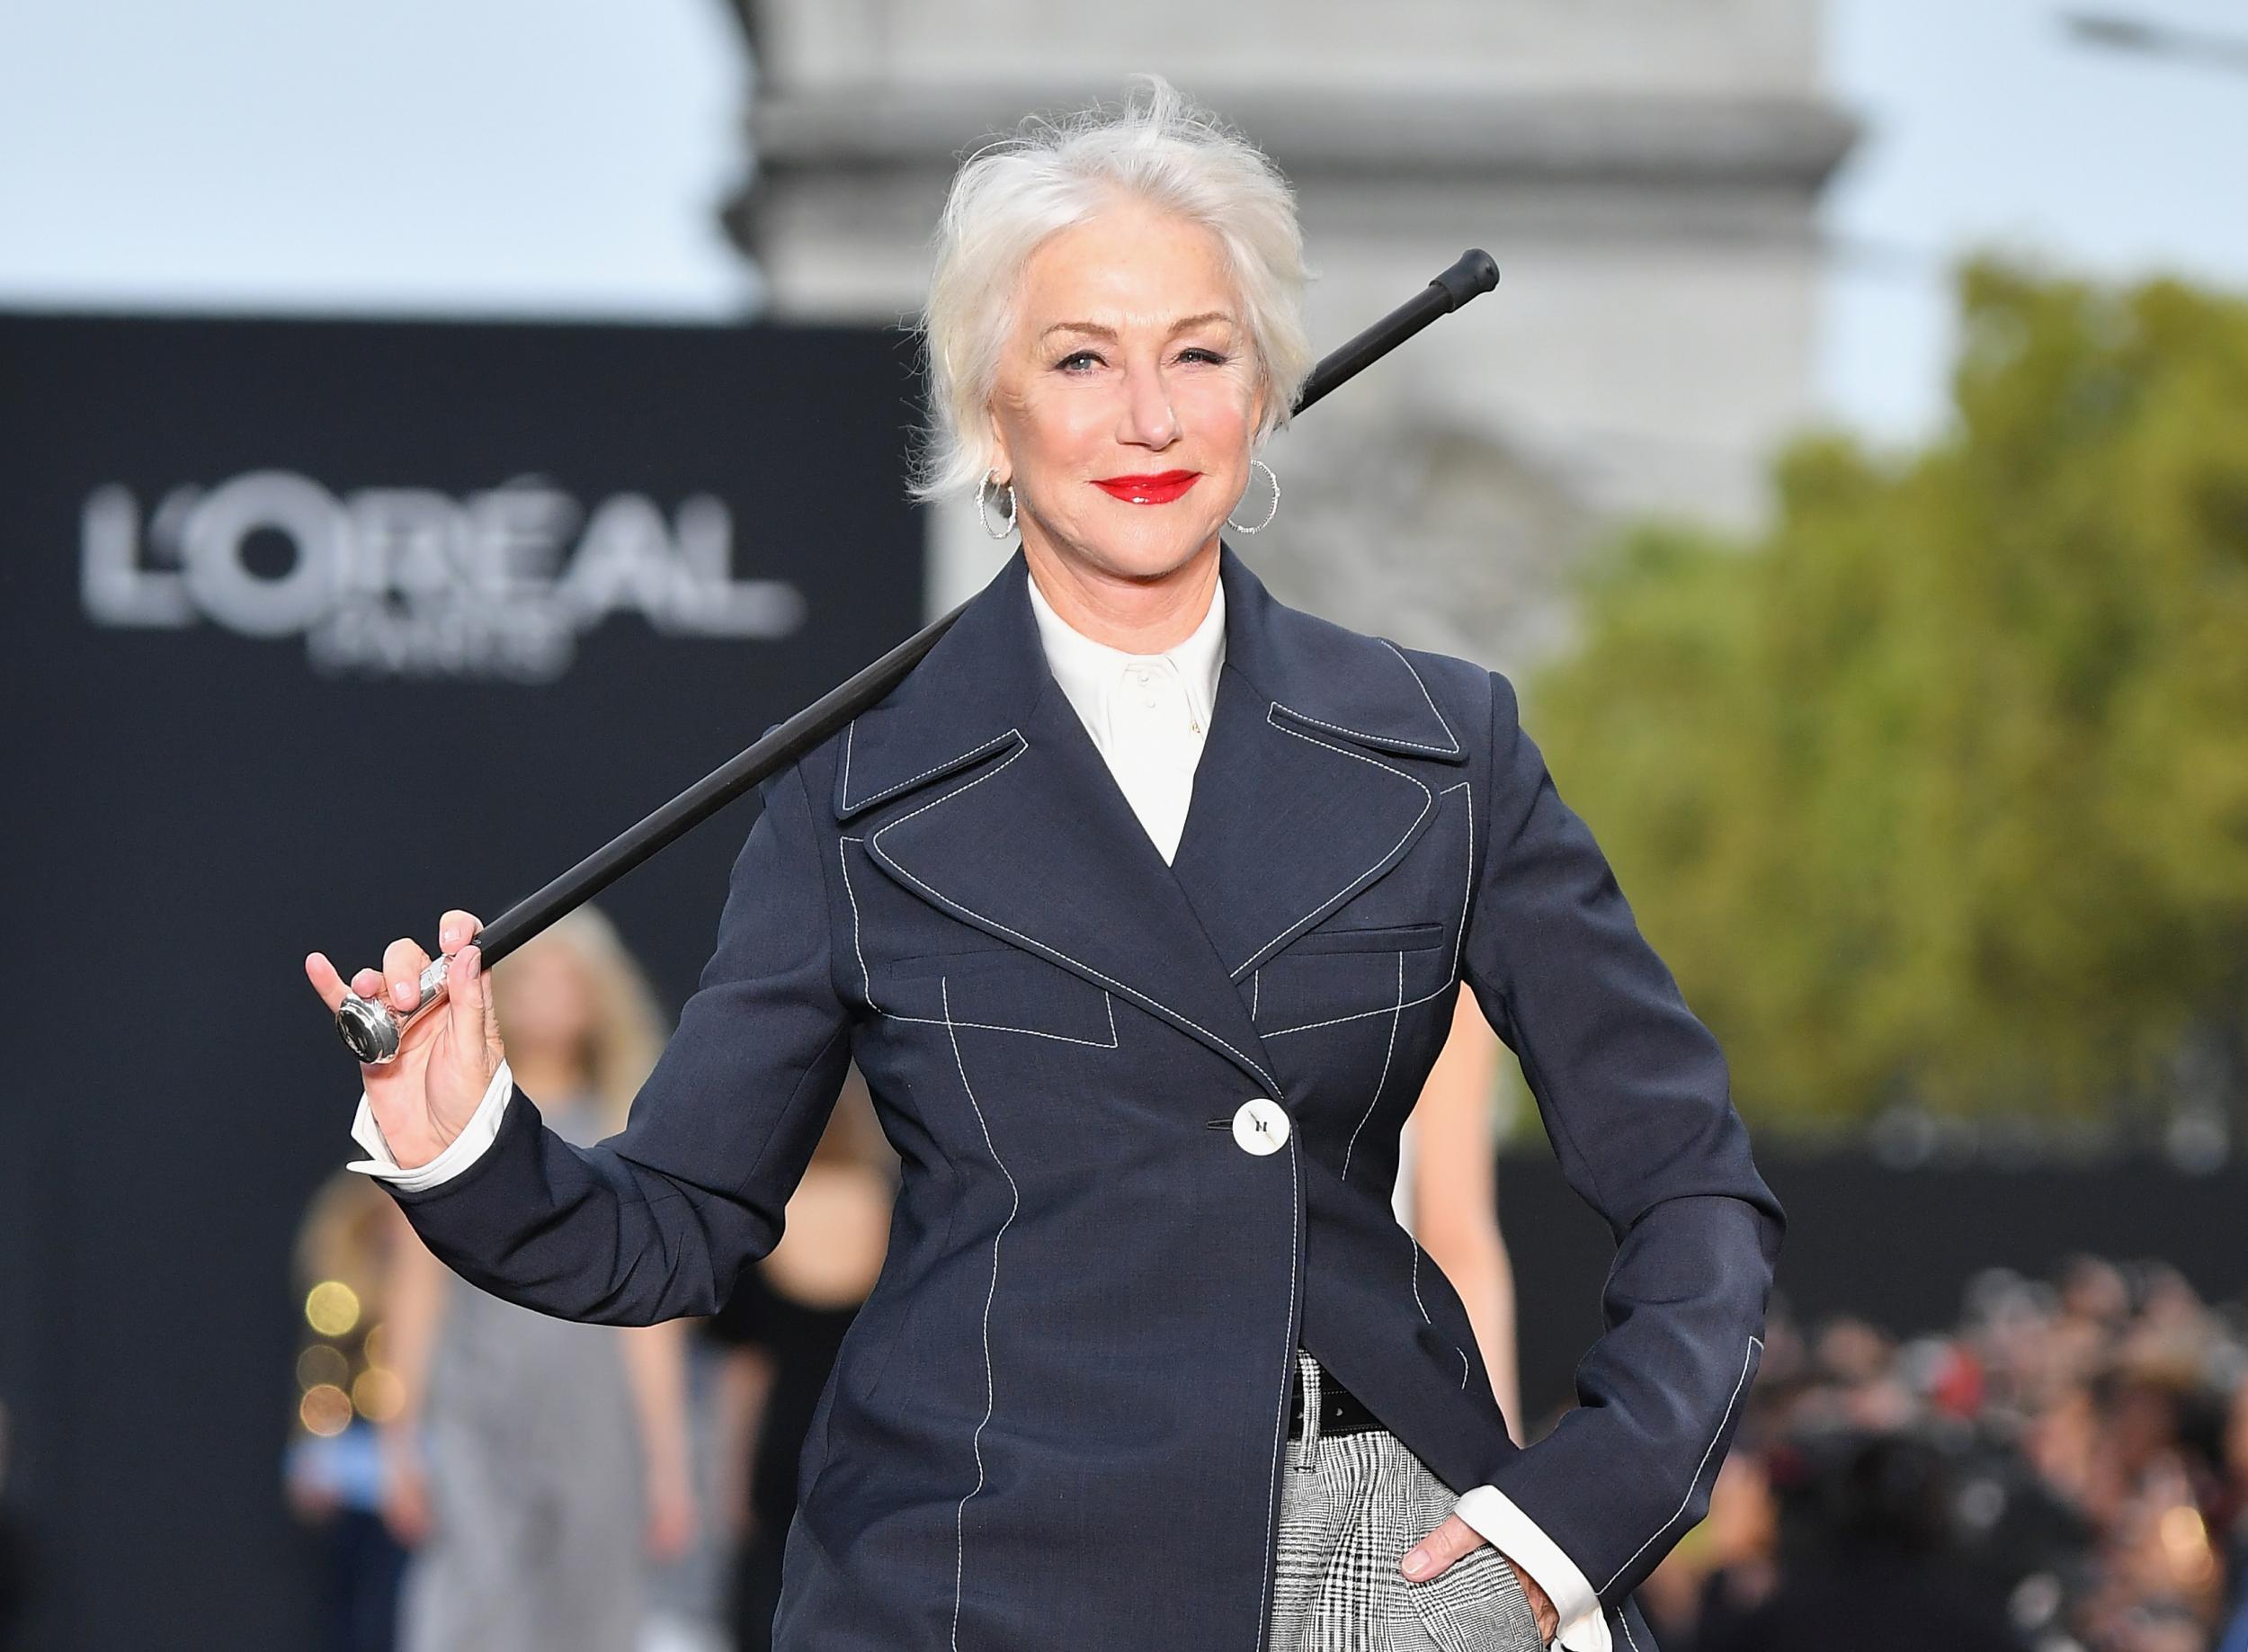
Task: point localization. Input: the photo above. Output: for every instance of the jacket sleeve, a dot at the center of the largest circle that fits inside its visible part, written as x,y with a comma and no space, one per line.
462,1151
1636,1102
655,1221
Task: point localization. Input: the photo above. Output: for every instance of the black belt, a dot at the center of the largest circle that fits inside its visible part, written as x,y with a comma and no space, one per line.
1341,1412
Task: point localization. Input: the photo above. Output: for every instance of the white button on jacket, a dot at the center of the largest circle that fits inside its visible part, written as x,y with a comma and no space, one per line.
1261,1126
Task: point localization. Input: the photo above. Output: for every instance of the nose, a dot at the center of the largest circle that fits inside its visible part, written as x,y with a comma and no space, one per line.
1148,419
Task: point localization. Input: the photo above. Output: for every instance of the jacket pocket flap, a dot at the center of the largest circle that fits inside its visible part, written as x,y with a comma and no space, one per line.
997,989
1388,938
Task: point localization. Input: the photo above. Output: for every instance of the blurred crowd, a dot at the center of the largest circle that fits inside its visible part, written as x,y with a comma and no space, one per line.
2067,1468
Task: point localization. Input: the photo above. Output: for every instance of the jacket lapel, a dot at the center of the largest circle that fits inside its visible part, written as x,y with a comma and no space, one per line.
996,805
1301,799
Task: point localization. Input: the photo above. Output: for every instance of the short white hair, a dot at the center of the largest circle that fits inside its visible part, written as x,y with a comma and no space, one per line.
1053,172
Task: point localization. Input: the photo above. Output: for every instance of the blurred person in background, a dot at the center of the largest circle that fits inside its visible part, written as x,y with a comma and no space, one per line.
780,1330
1448,1194
346,1254
538,1466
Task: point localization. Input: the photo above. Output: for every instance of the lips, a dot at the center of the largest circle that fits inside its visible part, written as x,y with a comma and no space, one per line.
1159,489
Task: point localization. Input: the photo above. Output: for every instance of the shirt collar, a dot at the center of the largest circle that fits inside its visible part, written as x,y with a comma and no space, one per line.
1088,670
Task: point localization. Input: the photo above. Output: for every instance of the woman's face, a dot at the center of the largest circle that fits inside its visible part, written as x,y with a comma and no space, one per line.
544,1001
1127,394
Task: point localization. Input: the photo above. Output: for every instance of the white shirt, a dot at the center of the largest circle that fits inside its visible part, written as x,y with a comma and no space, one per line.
1148,713
1149,716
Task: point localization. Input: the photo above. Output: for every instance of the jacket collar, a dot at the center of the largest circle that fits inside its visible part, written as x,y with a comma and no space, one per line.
1305,793
988,671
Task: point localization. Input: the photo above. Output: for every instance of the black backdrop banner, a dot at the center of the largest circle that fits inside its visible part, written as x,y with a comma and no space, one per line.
311,631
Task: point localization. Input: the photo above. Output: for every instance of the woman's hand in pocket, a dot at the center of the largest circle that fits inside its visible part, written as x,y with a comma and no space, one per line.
1434,1554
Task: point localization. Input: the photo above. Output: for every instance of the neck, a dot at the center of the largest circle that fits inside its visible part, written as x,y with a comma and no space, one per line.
1138,615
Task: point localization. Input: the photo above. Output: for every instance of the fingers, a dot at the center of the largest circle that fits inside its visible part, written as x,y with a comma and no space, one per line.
466,990
403,962
467,994
325,980
1434,1553
399,982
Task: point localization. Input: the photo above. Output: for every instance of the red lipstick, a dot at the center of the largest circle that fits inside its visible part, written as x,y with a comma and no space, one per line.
1159,489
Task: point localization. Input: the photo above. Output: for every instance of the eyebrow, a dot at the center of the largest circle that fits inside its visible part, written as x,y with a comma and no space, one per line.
1098,331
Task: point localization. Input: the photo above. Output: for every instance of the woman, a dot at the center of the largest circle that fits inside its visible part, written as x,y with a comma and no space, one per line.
1142,903
1447,1197
535,1466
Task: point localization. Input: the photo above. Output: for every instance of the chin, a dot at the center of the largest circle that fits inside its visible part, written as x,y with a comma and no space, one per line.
1149,552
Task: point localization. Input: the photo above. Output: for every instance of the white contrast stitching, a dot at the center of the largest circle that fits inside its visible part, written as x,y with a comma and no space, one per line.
1466,902
1107,999
888,791
1410,1239
1396,1015
1256,989
875,841
1428,802
987,1026
1360,734
1633,1638
866,979
960,1565
1279,1414
1424,687
1423,1307
1467,884
1451,750
1337,1021
1748,1358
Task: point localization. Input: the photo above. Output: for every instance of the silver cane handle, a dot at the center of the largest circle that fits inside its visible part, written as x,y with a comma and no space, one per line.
371,1030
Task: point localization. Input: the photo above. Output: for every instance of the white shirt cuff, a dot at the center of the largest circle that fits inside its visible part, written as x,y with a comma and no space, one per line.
1502,1523
462,1151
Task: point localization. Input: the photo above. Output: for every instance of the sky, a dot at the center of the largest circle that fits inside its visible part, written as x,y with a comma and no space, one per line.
566,157
1988,126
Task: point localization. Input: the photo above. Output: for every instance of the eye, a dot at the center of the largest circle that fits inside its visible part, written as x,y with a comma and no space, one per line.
1216,358
1066,362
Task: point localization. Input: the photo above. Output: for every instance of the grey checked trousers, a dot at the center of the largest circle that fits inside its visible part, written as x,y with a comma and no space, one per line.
1351,1505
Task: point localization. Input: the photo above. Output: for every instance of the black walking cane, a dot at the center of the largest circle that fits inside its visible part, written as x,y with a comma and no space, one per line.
372,1029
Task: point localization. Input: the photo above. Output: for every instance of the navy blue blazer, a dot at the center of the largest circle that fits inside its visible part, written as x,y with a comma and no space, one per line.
1060,1417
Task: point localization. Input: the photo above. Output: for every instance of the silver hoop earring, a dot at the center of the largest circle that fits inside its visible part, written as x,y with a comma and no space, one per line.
1271,512
983,505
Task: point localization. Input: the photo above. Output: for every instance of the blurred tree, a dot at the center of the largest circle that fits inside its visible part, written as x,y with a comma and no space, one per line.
1938,792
